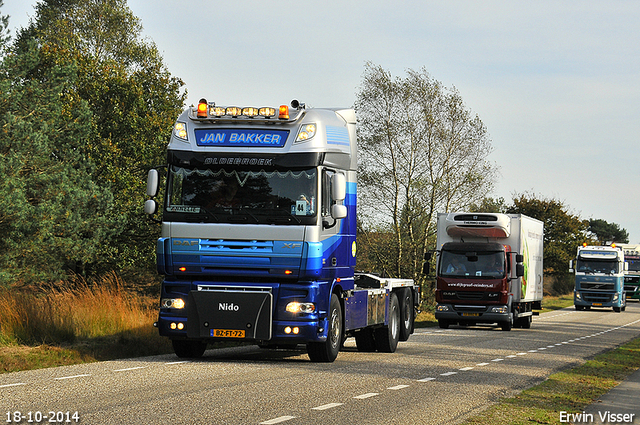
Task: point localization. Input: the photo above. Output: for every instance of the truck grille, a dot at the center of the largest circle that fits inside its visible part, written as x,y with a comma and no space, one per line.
597,286
596,297
470,295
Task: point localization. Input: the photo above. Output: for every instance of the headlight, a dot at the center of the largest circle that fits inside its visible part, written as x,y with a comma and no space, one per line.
177,303
616,296
306,132
297,307
501,309
180,130
578,296
442,308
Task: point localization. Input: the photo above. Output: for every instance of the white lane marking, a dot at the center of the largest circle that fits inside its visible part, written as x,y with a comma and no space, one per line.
426,379
532,351
448,373
483,364
71,377
521,354
510,356
497,360
367,395
466,368
12,385
181,362
327,406
397,387
277,420
129,368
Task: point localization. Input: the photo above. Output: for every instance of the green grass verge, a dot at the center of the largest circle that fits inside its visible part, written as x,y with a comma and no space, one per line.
568,391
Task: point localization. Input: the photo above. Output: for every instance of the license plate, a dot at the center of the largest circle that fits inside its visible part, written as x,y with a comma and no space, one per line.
227,333
471,314
598,304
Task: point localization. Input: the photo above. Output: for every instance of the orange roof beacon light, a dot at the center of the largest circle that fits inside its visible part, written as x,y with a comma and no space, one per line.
202,108
284,112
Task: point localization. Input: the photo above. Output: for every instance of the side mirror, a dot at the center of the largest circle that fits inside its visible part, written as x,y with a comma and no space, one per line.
338,187
150,207
338,211
519,270
571,266
519,258
152,184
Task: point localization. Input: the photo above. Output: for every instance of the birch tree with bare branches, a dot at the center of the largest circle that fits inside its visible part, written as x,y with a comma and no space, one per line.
421,151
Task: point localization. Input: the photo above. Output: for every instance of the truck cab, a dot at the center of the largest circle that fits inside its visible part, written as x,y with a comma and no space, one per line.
599,278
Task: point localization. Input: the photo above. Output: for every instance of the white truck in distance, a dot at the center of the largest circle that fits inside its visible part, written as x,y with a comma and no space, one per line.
489,269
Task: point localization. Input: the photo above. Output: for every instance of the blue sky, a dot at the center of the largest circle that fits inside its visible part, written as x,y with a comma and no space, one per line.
557,83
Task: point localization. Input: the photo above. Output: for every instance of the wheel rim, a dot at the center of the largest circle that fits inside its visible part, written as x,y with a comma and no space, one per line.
393,322
335,328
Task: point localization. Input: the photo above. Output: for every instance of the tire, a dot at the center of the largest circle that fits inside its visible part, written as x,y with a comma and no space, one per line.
386,337
188,349
508,325
407,313
579,307
327,351
526,322
444,324
365,341
617,309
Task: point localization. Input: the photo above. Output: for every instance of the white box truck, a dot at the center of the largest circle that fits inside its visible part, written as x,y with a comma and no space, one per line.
489,269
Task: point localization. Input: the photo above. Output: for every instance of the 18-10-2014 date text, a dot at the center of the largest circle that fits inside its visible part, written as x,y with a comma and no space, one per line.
36,417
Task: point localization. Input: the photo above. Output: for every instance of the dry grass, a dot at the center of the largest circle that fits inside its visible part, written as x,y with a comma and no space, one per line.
76,321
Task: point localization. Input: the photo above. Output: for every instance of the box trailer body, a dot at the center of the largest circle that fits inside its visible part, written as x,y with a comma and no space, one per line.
599,276
489,269
258,237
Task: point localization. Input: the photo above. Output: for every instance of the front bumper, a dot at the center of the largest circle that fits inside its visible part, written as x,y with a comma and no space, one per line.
472,314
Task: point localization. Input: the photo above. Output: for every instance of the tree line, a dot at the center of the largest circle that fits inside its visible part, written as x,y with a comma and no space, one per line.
87,106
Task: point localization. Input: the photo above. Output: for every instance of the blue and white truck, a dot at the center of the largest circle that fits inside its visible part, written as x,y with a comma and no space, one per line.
599,273
258,239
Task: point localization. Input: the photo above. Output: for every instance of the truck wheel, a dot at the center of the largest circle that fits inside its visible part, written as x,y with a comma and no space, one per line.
526,322
365,341
406,313
579,308
444,324
188,349
617,309
327,351
506,326
386,337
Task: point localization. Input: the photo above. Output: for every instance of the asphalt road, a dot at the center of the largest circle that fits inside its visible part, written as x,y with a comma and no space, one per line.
437,377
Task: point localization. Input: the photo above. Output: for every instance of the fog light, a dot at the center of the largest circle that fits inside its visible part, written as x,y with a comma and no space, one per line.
173,326
287,330
296,330
180,326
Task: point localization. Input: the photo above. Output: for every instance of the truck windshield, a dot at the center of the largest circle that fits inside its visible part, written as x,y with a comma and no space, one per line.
464,264
634,264
271,197
597,266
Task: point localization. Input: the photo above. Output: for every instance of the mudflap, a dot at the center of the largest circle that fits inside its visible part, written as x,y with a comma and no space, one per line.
229,314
